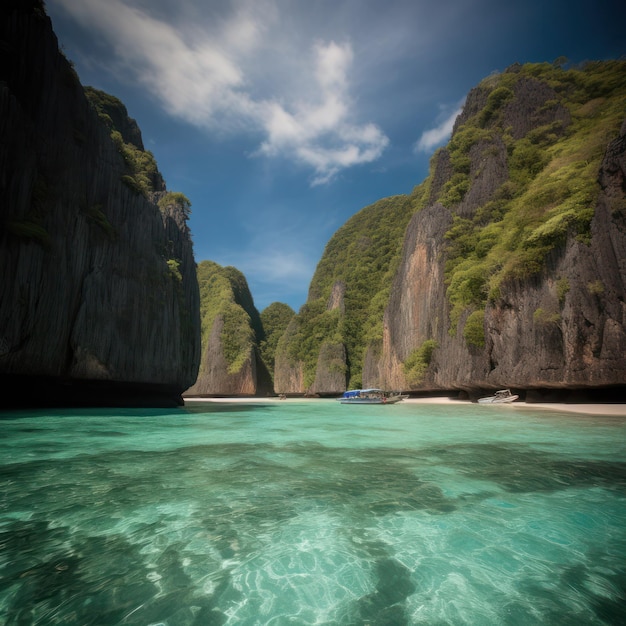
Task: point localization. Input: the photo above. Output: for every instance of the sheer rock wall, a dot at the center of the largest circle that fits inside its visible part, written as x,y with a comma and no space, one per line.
231,363
562,329
578,343
90,310
214,379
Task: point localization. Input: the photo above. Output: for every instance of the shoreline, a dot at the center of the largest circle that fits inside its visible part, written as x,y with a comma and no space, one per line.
608,409
592,408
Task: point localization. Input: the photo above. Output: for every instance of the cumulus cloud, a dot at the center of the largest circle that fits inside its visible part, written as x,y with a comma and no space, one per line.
318,132
217,78
440,134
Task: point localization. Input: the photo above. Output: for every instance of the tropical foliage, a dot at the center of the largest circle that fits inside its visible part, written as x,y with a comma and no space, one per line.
360,260
552,185
220,295
418,361
178,198
548,194
275,319
141,164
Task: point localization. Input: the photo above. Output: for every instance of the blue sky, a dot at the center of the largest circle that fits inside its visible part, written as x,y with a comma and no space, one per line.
280,119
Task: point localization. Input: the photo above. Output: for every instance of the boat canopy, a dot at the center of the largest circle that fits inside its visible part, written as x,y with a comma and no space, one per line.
356,393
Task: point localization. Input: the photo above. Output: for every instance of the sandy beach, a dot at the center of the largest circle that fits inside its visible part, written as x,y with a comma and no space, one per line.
586,409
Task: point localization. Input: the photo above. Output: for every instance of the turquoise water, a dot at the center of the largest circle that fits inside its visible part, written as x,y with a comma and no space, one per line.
312,512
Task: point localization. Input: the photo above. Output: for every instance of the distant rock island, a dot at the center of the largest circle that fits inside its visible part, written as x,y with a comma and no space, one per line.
232,333
504,268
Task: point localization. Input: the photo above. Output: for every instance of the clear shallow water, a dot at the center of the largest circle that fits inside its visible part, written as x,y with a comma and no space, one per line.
312,513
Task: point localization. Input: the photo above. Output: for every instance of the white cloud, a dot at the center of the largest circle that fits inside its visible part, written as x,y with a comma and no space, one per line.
440,134
274,265
318,131
217,78
191,78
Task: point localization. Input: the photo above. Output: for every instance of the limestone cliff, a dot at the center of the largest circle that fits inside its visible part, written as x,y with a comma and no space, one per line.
232,331
321,351
520,280
98,290
511,271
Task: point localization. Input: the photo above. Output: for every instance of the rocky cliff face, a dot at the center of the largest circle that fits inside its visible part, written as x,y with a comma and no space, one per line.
512,269
559,327
232,331
320,352
288,371
98,291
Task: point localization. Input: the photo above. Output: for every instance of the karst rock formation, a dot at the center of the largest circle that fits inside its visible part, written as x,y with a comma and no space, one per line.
99,298
512,269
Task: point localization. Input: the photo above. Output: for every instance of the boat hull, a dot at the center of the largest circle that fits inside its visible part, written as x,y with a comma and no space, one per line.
494,400
390,400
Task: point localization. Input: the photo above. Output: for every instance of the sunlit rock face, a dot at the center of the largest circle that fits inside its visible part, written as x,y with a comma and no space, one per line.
214,378
288,372
511,270
98,291
562,328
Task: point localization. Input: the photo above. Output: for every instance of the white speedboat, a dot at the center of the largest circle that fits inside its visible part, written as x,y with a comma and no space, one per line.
371,396
500,397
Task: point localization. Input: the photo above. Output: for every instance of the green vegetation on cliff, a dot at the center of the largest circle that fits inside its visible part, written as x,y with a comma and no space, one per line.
232,330
222,292
275,319
551,189
143,176
351,285
416,365
177,198
519,178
